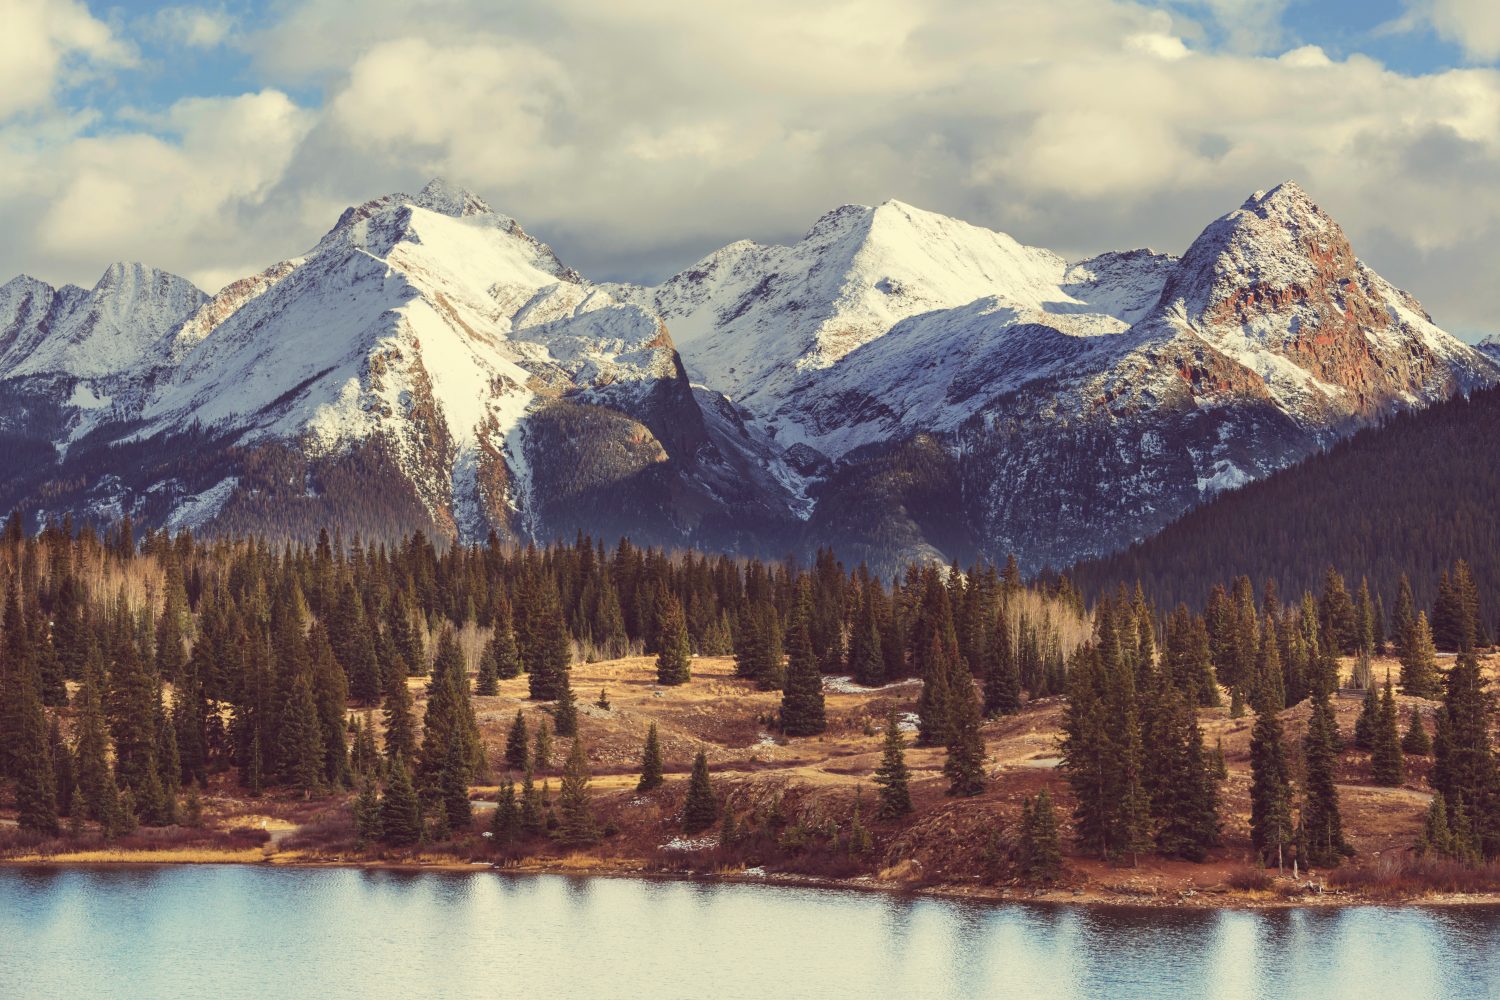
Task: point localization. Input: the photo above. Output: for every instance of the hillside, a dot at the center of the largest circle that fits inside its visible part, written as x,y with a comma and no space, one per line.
1413,496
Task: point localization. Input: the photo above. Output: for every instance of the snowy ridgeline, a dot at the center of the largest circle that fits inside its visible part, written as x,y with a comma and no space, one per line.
440,328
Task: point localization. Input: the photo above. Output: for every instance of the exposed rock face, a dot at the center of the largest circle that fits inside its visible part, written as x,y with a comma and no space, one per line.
899,384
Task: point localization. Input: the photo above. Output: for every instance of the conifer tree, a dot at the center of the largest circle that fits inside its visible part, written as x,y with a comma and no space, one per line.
1181,780
36,788
1436,838
501,648
400,730
651,764
506,825
673,658
1364,725
541,756
400,811
301,749
1002,677
1386,764
1038,853
964,767
367,810
802,697
892,778
575,805
565,717
1271,831
934,708
1322,824
866,660
1464,764
552,650
1419,673
453,785
700,809
1416,743
487,684
517,753
532,820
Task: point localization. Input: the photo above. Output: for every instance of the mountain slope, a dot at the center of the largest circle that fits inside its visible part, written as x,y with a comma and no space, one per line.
897,384
439,340
1078,408
1412,495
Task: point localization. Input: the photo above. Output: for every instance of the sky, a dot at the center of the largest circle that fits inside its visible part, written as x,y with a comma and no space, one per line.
637,135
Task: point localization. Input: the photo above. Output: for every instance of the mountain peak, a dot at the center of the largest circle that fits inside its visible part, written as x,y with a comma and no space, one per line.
1286,194
440,195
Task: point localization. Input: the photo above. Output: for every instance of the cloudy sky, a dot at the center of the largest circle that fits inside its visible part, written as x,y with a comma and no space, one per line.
636,135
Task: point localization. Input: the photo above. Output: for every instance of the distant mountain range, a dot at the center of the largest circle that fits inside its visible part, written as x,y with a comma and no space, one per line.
897,384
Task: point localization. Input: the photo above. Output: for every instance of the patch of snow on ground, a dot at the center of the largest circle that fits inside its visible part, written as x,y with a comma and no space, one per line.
907,722
845,684
691,844
196,510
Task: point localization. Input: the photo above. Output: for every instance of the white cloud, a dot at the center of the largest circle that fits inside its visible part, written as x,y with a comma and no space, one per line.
1474,25
639,134
47,43
195,27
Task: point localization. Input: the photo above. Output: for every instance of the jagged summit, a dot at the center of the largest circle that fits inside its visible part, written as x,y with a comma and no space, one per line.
438,195
896,382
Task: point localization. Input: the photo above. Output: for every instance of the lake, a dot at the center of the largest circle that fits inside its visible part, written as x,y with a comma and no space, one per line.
233,931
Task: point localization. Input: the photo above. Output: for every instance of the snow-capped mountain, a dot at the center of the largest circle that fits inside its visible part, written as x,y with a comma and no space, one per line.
963,394
897,383
1490,347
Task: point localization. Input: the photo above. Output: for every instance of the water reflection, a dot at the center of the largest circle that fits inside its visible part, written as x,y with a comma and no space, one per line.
253,932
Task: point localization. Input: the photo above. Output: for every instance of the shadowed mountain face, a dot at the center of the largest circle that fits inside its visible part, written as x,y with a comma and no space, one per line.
898,384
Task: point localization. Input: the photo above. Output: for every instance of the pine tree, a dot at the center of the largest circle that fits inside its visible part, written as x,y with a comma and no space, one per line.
1271,829
893,776
301,746
802,697
1181,780
400,730
1464,763
1322,824
367,810
541,756
565,717
577,824
400,812
1364,725
1436,838
700,809
532,820
501,649
1419,672
1416,742
934,708
1038,854
506,825
1386,765
1002,678
673,658
517,753
866,660
453,785
651,765
36,787
964,767
487,684
552,650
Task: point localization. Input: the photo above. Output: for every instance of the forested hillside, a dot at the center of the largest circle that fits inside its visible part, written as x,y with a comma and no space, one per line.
373,701
1412,496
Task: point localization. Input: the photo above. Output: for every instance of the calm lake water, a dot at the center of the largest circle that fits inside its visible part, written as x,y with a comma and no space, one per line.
231,932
